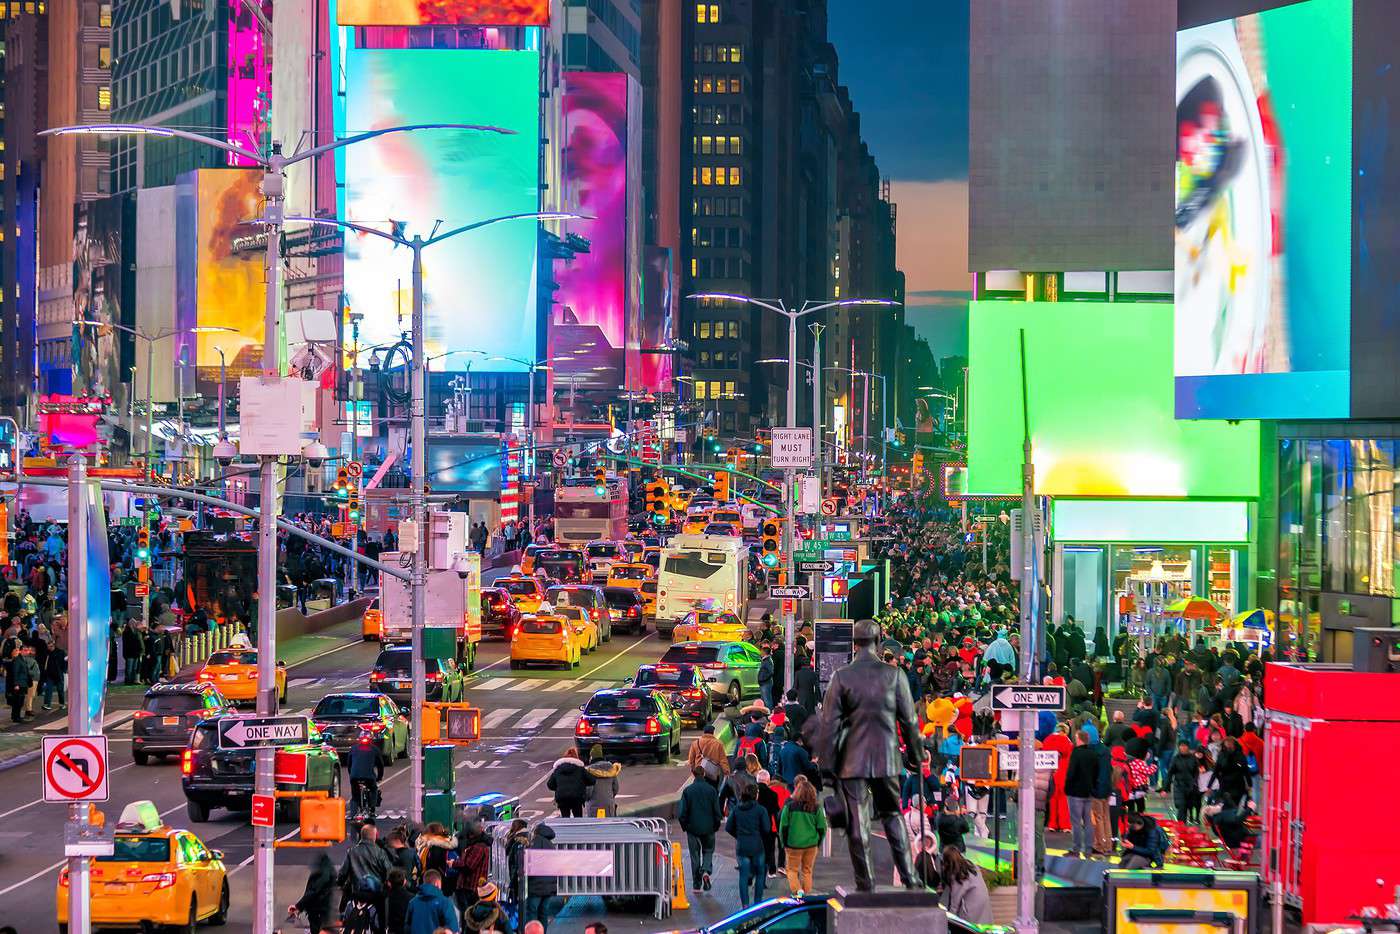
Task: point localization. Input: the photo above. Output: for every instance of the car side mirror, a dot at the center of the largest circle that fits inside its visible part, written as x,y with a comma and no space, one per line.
216,854
626,680
281,664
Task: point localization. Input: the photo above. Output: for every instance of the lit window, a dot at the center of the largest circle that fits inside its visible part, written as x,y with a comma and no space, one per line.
694,175
730,387
104,15
736,53
722,54
707,85
704,330
733,85
694,264
104,56
707,176
700,389
714,12
736,145
721,145
694,236
707,144
104,98
734,175
720,177
734,330
702,13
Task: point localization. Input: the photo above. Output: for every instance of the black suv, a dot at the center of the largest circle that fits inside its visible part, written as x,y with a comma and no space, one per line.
214,777
627,608
393,677
169,714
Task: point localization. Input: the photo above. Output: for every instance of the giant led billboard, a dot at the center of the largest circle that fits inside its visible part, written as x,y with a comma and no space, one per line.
588,323
1264,214
479,287
1101,421
442,12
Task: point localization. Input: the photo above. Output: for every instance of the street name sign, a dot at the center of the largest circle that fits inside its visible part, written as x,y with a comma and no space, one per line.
1046,760
795,592
1028,697
263,732
816,567
792,448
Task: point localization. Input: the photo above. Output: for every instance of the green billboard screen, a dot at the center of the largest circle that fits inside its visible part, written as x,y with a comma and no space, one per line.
1100,383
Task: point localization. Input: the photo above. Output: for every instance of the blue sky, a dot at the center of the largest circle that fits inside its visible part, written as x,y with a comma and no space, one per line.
907,71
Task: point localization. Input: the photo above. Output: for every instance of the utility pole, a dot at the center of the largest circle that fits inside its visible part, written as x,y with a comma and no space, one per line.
1026,922
418,494
789,479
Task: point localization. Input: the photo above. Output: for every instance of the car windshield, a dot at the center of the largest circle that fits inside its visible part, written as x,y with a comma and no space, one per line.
522,588
574,613
172,705
401,660
628,572
725,516
233,658
543,627
570,596
621,597
346,705
649,587
602,551
668,675
127,849
691,654
608,704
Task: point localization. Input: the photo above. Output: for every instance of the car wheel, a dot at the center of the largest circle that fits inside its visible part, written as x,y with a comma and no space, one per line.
663,757
220,917
197,811
140,758
514,665
736,693
189,926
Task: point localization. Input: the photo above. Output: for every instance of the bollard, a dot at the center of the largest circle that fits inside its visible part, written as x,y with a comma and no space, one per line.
679,901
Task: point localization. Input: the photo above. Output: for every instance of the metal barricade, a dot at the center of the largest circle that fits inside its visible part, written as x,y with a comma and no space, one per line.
639,850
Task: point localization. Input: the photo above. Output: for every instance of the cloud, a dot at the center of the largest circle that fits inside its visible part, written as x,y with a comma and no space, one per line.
931,239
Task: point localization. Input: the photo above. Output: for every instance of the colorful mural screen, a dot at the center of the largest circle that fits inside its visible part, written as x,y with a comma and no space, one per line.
228,273
249,82
442,12
1263,214
1105,430
658,320
588,325
479,287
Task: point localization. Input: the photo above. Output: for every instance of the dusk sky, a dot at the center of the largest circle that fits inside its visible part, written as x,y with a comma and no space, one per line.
907,71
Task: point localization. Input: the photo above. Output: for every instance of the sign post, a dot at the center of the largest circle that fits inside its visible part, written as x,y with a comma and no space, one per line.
75,769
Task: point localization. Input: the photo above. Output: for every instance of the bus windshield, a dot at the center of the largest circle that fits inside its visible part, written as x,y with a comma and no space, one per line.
698,565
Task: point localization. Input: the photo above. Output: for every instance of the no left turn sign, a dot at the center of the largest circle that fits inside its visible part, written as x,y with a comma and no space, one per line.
75,769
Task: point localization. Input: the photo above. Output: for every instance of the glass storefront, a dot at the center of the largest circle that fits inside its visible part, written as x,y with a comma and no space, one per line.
1337,529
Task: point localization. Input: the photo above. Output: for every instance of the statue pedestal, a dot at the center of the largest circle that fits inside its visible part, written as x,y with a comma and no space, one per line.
886,911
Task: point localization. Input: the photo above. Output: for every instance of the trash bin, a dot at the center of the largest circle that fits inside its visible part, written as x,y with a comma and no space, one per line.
438,806
437,767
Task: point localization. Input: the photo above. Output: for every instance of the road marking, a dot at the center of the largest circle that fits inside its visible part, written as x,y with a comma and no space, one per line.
535,717
339,648
593,686
490,684
496,717
568,685
615,657
286,836
117,718
53,727
304,682
62,862
528,684
566,722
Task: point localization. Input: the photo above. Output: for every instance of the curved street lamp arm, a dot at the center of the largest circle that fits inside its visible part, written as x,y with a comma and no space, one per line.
315,151
729,296
337,222
528,215
137,129
809,308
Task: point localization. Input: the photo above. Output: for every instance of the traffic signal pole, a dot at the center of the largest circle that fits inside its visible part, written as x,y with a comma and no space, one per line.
789,475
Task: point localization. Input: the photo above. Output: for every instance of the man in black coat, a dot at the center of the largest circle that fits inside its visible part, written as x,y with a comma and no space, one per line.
867,714
805,681
700,817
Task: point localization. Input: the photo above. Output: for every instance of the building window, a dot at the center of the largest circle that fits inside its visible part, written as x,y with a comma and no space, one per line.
735,146
707,145
104,15
734,175
104,98
736,207
734,330
730,388
707,175
704,358
104,57
704,330
700,385
734,84
707,13
694,267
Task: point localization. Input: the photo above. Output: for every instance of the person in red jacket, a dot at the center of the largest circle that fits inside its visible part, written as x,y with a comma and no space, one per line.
1058,817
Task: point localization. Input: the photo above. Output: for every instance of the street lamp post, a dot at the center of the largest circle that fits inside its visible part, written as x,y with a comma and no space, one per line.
884,415
789,475
274,178
417,417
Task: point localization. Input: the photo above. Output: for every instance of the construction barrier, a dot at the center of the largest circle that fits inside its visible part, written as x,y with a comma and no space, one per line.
679,900
607,857
194,648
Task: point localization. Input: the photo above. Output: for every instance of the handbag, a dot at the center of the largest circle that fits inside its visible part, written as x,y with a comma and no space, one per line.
835,807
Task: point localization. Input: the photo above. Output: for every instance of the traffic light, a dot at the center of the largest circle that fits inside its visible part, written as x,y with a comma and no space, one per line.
658,499
143,541
722,486
342,482
600,480
918,462
771,546
352,506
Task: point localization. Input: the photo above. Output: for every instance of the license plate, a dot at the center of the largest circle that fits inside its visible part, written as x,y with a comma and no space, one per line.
228,677
402,684
170,721
117,888
614,729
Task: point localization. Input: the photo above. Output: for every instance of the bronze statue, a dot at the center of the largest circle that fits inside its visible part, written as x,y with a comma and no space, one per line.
868,712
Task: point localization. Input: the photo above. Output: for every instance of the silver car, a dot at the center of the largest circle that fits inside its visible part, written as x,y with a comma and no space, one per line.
730,668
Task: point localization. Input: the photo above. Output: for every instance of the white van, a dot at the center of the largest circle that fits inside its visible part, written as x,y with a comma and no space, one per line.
701,572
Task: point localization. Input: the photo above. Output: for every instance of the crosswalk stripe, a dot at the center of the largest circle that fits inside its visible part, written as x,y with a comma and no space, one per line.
496,717
490,684
568,685
535,717
599,686
528,684
304,682
566,722
53,727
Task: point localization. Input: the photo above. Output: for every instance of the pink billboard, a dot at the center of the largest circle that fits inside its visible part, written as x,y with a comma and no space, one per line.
588,323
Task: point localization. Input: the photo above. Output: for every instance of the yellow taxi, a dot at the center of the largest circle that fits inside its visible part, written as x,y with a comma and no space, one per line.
234,671
527,593
695,523
372,624
630,575
651,557
585,630
156,875
732,516
544,640
527,560
711,626
648,592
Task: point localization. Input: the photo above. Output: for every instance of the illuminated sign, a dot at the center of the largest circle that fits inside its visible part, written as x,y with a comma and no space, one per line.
442,12
1150,521
1101,419
479,287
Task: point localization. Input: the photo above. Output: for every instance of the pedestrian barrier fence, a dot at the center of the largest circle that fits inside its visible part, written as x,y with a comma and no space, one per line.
604,857
197,646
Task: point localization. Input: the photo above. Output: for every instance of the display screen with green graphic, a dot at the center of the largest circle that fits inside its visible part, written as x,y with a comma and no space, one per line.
1101,419
1264,214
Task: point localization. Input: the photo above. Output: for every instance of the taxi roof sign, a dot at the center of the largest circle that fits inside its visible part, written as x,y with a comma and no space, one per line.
141,815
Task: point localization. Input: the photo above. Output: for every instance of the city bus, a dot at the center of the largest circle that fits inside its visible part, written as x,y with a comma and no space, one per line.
582,516
701,572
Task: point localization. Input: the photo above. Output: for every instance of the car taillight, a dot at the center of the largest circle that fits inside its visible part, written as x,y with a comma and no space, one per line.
163,880
374,726
187,762
376,676
583,728
714,666
653,726
633,611
596,613
433,676
206,675
692,693
141,714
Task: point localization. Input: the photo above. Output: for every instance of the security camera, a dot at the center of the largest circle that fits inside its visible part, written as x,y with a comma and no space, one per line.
462,564
315,454
225,452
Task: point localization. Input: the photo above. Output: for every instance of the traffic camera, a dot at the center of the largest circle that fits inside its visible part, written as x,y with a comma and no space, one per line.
771,544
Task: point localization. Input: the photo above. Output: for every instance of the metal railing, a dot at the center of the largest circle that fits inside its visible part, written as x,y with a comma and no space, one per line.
640,858
197,646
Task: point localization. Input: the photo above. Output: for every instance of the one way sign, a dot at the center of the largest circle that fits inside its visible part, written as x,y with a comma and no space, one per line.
263,732
1028,697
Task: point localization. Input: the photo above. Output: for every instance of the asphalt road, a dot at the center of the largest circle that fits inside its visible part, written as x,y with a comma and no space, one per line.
528,719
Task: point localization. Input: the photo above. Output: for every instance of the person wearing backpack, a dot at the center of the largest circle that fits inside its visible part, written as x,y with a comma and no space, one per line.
366,869
430,909
745,775
751,744
1146,843
700,817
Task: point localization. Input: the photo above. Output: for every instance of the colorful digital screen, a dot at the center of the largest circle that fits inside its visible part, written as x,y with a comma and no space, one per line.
1101,420
1263,214
587,336
443,12
658,319
465,466
479,287
228,289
